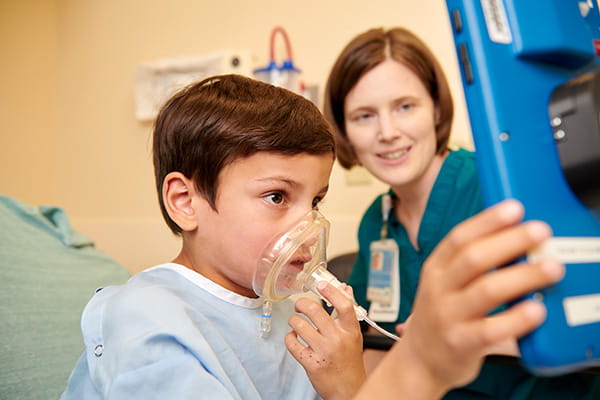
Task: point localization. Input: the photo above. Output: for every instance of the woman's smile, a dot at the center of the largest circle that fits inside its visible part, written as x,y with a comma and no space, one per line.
394,154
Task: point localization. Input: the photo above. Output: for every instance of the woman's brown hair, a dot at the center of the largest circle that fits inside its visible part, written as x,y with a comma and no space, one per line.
364,53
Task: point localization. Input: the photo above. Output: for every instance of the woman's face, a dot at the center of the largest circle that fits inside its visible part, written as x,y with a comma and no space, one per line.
390,121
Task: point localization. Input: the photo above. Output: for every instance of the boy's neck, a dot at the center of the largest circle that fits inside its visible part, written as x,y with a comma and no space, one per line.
189,261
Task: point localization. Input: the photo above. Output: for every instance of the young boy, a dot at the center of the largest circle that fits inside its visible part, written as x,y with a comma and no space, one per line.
237,162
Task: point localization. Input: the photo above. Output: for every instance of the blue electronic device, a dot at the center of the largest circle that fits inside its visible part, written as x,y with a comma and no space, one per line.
531,77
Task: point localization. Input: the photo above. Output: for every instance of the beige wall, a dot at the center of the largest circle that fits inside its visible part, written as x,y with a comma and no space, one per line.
69,135
28,102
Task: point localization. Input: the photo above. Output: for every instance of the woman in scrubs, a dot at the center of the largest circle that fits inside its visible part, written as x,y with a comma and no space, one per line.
389,102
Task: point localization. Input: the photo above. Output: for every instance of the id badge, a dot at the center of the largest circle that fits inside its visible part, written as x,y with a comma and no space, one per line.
383,290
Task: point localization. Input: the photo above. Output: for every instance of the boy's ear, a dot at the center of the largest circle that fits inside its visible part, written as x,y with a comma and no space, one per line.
181,200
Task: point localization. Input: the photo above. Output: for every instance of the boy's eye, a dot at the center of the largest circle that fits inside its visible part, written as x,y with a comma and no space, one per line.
276,198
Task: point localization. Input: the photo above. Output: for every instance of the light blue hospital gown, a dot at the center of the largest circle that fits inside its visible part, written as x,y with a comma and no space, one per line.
170,333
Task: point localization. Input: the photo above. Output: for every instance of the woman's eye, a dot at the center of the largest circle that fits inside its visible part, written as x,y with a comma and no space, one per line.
365,116
358,117
276,198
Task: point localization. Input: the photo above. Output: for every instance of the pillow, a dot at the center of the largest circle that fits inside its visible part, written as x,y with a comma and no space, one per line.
48,272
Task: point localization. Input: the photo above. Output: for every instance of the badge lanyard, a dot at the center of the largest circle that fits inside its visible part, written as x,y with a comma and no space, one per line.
383,290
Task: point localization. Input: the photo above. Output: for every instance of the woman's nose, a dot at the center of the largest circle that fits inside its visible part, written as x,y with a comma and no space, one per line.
388,129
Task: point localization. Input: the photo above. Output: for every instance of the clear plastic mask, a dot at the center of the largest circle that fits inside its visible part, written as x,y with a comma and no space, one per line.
295,262
288,263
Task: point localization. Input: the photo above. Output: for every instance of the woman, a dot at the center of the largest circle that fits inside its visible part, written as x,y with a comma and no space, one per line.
390,104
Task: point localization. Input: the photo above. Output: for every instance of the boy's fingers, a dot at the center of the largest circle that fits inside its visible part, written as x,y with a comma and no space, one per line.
342,304
314,311
324,325
494,250
492,219
299,351
309,334
506,284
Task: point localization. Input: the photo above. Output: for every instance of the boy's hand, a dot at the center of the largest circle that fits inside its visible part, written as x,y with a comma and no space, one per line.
332,350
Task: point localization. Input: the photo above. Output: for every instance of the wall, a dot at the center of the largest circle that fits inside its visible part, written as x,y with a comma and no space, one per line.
69,135
28,102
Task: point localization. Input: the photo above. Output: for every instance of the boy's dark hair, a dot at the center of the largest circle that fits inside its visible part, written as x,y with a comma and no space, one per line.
212,123
365,52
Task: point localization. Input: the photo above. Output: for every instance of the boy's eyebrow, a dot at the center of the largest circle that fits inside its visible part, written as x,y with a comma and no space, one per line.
289,182
279,179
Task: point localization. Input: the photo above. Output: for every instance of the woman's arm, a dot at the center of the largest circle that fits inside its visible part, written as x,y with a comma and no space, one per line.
450,332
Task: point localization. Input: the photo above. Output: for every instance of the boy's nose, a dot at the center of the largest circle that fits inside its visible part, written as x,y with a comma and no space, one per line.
304,252
299,223
311,240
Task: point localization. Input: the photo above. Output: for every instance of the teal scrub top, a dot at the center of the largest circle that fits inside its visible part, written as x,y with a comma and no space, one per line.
455,196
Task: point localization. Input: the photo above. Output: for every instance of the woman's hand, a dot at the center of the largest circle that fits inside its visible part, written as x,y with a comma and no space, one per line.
450,328
450,331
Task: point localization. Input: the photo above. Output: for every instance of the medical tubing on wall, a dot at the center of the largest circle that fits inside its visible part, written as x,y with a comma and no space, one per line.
286,39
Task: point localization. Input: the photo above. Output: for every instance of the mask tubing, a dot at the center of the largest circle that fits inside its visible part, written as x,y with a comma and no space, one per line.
265,320
322,274
380,329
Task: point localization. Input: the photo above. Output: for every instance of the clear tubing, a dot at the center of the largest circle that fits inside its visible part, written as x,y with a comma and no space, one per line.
321,274
265,320
378,328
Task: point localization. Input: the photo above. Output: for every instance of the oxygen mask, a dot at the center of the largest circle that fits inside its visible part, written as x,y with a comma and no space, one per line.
288,262
295,262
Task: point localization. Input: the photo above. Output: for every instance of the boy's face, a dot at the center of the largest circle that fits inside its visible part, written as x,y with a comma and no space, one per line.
258,198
